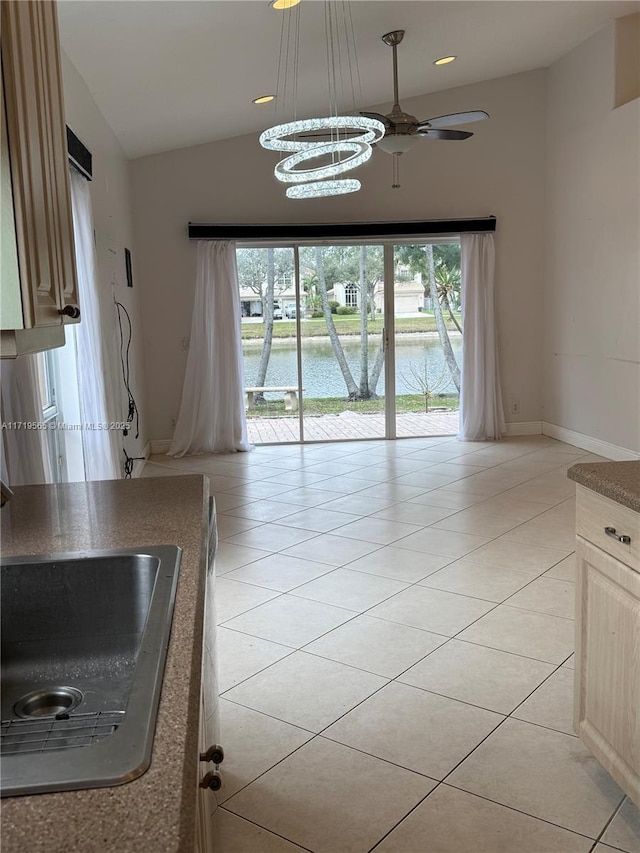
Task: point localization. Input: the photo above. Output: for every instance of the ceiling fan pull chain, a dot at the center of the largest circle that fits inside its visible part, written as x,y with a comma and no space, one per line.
396,172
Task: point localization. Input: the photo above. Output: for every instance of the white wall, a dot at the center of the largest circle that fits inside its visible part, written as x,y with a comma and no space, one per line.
592,293
498,171
111,202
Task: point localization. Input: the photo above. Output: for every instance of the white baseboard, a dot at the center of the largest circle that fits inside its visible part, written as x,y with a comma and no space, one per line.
138,465
138,468
587,442
160,445
525,428
569,436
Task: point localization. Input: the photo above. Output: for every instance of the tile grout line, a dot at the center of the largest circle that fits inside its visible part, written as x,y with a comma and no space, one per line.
270,831
608,824
486,799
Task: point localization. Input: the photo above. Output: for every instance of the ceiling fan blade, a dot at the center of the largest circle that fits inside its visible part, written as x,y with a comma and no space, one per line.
444,134
454,119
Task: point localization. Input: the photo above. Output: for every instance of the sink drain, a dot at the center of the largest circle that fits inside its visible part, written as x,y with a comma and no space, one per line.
48,702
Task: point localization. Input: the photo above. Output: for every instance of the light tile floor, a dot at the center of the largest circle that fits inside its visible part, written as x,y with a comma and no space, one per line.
395,651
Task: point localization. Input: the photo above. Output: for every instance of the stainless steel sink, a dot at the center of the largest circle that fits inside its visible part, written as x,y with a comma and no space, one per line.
84,642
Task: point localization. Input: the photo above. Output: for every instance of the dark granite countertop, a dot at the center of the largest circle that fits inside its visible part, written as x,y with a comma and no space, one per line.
157,810
618,481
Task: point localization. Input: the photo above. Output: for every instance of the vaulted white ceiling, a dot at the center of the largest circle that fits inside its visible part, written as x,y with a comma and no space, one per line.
176,73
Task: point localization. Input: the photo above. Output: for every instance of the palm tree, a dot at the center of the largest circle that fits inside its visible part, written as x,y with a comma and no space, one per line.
447,349
267,308
352,388
368,282
364,326
448,282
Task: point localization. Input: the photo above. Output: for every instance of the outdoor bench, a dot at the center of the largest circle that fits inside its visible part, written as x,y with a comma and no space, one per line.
290,396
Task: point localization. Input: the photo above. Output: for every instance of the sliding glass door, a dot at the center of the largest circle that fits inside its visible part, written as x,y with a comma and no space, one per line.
330,354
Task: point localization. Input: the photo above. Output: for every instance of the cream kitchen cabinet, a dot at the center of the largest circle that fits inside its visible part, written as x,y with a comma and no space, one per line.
607,665
210,752
39,283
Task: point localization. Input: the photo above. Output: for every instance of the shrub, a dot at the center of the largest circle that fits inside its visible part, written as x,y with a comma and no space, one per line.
334,306
346,309
316,313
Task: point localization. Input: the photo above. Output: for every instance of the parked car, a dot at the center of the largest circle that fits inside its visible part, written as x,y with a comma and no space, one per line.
290,311
277,313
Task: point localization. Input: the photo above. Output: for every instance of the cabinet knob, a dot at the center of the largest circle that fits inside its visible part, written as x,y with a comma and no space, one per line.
611,531
215,753
211,780
70,311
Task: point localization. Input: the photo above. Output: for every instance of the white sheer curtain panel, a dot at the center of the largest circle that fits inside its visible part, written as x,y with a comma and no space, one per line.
25,451
212,418
100,446
481,414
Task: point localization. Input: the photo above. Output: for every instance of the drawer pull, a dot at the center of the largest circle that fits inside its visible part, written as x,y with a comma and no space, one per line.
611,531
215,753
70,311
211,780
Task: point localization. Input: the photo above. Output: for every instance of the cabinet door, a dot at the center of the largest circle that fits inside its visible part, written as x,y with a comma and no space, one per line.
607,699
206,803
209,698
39,172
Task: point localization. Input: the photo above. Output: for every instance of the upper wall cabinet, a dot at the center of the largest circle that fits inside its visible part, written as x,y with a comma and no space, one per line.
39,285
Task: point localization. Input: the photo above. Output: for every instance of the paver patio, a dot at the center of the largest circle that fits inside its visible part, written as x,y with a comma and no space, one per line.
348,425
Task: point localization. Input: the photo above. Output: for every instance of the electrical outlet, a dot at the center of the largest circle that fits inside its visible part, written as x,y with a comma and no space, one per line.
515,407
185,344
173,424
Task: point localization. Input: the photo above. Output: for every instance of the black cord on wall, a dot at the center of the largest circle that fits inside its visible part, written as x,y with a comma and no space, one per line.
124,361
128,463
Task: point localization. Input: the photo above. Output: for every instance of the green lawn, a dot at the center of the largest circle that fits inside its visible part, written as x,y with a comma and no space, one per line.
335,405
345,325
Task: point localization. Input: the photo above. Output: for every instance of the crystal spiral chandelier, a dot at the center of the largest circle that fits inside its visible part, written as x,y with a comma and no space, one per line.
321,150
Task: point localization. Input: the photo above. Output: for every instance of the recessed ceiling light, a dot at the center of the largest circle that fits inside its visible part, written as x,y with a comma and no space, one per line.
444,60
264,99
284,4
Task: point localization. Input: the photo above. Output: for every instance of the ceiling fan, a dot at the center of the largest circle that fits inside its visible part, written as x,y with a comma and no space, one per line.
403,129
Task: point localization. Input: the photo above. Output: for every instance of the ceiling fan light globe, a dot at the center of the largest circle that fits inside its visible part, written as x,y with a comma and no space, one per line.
397,143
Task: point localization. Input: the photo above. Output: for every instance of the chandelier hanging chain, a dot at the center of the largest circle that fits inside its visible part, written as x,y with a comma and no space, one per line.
328,48
350,29
287,78
279,85
347,58
337,66
296,73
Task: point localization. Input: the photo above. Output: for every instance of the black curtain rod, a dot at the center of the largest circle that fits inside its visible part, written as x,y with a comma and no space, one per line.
341,230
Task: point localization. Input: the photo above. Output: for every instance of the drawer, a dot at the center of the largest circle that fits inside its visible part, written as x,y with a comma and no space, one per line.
594,512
